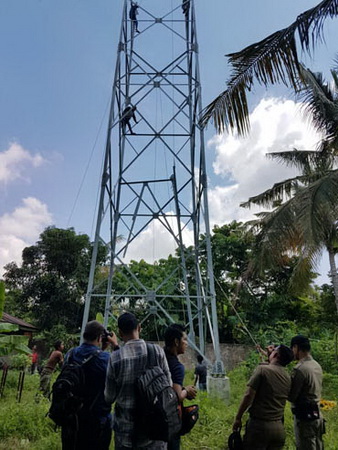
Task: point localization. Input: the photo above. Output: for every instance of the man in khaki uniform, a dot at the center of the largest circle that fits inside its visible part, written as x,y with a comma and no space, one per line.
305,394
267,392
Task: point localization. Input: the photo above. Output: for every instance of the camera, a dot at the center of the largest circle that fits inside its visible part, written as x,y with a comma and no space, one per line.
105,335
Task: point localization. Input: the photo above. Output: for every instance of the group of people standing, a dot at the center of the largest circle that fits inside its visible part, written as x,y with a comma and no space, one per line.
110,378
271,386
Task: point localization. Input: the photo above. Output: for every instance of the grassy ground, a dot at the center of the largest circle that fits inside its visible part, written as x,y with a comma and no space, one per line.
23,426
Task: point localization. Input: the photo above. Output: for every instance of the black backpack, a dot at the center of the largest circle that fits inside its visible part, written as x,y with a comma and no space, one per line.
157,407
68,392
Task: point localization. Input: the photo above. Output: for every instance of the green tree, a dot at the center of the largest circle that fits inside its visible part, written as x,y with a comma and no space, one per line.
141,276
49,285
327,315
255,302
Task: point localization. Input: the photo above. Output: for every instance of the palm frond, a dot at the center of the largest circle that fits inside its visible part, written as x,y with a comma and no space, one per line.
302,225
299,159
319,102
302,273
314,18
277,234
278,193
312,163
317,208
270,61
334,75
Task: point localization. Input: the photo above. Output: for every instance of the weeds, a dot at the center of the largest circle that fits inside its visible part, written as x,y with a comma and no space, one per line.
24,426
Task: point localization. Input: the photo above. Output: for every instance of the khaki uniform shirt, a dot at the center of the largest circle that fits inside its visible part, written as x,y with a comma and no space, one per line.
306,381
272,385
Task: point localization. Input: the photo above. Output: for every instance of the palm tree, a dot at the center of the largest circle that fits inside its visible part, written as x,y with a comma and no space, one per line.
305,214
304,224
270,61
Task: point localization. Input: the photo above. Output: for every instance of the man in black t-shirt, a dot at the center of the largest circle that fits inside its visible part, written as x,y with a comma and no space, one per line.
176,343
133,12
128,114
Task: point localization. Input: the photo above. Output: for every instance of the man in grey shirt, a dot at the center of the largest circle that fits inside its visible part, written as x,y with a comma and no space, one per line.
125,365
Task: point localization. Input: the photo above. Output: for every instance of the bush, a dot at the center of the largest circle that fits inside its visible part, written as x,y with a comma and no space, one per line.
20,361
323,351
330,386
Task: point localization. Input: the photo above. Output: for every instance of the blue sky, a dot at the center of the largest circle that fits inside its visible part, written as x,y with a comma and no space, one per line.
57,65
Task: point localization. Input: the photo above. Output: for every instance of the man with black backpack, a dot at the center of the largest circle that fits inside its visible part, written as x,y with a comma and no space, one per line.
78,403
136,372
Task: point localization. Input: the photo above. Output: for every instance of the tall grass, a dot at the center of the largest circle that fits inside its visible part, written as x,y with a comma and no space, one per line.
24,426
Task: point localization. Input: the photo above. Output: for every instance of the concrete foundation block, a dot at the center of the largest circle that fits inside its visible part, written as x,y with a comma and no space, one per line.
219,386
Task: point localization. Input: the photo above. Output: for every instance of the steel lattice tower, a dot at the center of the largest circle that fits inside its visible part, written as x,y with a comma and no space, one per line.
155,176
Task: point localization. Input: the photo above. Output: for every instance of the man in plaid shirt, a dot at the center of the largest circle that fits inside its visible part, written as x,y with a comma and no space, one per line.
125,365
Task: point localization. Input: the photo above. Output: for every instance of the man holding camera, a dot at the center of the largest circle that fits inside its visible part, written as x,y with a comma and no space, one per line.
93,430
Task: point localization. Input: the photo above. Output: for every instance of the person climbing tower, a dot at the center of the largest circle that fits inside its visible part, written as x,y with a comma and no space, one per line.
128,114
185,7
133,12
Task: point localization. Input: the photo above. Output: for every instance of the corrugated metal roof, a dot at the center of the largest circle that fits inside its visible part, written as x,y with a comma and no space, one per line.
22,324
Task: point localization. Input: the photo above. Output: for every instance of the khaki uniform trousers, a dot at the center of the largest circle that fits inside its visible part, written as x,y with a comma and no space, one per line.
45,378
309,434
264,435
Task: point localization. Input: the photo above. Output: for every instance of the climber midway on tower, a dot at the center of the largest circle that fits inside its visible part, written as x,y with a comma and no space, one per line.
128,114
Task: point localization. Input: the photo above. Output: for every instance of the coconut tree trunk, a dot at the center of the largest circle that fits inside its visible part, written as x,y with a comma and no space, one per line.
333,274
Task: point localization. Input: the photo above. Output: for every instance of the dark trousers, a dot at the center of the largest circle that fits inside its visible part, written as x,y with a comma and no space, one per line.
264,435
89,436
309,435
175,444
154,445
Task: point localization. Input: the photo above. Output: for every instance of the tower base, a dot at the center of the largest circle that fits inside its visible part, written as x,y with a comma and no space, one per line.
219,387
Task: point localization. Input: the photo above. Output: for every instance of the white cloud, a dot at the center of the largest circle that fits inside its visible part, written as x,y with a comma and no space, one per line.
276,125
156,242
242,170
21,228
15,162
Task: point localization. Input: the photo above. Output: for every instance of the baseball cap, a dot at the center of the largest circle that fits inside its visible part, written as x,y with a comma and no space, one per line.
299,340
